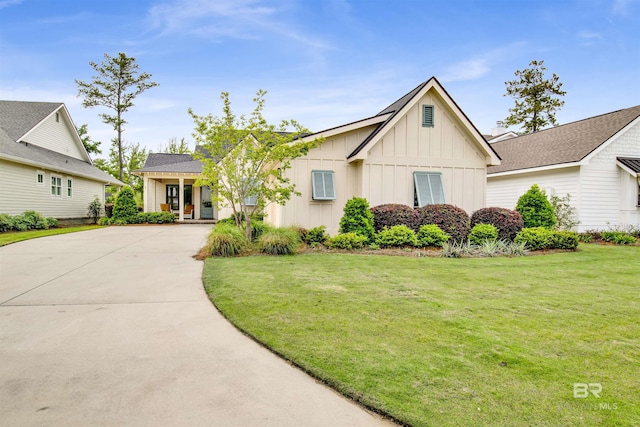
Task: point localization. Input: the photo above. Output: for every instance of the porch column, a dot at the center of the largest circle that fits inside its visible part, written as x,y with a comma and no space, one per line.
181,200
145,193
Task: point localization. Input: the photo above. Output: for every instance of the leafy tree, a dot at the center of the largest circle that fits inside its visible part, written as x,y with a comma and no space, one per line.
357,218
248,158
133,158
115,87
536,98
175,147
90,145
535,208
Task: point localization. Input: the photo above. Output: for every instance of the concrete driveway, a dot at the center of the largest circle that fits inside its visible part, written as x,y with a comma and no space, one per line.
112,327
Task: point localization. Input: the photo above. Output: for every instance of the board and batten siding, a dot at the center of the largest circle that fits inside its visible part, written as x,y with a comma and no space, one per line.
21,192
409,147
56,136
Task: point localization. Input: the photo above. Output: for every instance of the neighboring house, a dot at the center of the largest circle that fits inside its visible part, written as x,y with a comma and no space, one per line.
43,164
422,149
595,160
166,177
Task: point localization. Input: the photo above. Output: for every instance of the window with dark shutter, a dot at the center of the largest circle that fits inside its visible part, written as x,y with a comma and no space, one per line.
427,116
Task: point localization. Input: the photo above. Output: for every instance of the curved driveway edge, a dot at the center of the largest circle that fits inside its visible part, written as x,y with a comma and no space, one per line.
113,327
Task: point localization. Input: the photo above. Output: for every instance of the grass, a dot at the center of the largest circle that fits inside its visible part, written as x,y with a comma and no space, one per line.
452,342
18,236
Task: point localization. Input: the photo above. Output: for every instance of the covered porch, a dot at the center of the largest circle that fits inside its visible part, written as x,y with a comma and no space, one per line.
177,192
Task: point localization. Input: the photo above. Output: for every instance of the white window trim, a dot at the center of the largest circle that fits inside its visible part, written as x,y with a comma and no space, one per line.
324,173
58,177
417,193
38,173
68,180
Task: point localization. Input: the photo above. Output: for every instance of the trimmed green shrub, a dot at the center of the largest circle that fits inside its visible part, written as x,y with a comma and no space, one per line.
29,220
358,219
508,222
94,211
347,241
155,218
618,237
585,238
392,214
279,241
52,222
317,235
538,238
104,221
481,233
451,219
398,235
226,240
535,208
431,235
6,224
125,208
564,240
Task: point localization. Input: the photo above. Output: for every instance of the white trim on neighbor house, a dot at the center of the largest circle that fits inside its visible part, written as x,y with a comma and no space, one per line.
531,170
56,185
507,135
609,141
348,127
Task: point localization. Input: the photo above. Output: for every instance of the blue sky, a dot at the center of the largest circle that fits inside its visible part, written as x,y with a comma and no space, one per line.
324,63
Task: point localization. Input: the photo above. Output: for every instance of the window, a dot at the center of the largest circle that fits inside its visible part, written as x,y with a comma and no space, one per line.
69,187
250,201
323,185
172,196
428,189
40,177
56,186
57,117
427,116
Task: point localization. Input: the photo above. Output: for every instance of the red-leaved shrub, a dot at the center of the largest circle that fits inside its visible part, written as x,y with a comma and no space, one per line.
508,222
393,214
451,219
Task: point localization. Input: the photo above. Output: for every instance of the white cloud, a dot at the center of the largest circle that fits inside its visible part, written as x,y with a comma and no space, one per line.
466,70
622,7
589,35
7,3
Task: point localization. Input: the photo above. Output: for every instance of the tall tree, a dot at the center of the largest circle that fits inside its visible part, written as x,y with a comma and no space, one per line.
90,145
248,158
133,156
536,98
175,147
115,87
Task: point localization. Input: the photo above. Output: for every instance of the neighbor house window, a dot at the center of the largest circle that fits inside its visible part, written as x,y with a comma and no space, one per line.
56,186
40,177
250,201
69,187
323,185
172,196
427,116
428,188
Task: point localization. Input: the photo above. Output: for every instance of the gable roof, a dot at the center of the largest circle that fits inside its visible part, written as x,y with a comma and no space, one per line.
18,119
564,144
174,163
631,163
402,105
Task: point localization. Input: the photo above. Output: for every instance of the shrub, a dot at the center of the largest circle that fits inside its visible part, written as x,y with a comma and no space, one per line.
618,237
431,235
490,247
6,224
564,240
398,235
393,214
52,222
508,222
317,235
564,212
258,228
302,232
535,238
347,241
29,220
94,211
226,240
481,233
279,241
358,219
108,209
535,208
125,208
104,221
451,219
155,217
455,249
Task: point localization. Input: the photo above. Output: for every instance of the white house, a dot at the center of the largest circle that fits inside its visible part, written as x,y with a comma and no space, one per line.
595,160
43,164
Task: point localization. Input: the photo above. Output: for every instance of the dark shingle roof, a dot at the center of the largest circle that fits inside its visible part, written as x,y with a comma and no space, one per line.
630,162
567,143
19,117
175,163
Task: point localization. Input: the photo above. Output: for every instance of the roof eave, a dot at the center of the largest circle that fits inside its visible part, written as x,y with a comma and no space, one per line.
534,169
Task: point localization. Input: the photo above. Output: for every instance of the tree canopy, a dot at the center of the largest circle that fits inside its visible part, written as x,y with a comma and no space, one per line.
117,83
90,145
536,98
247,158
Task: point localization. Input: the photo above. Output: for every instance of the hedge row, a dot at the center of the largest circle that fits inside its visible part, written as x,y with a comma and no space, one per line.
29,220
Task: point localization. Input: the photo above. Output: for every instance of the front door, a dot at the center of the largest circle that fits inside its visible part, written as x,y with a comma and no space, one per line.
206,207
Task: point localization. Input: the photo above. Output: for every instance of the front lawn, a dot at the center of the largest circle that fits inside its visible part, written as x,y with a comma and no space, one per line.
452,342
18,236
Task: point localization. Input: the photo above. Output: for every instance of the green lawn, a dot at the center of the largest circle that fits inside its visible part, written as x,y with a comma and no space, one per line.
18,236
452,342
